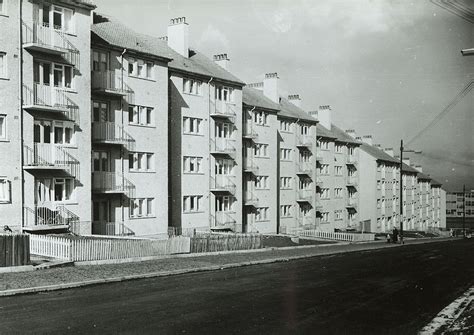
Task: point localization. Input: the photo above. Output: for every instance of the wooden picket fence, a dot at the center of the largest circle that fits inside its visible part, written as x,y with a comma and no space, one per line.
225,242
14,250
348,237
90,248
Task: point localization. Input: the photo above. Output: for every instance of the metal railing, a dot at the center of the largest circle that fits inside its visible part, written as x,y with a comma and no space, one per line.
249,131
111,229
304,141
223,220
111,132
305,195
222,145
351,159
112,182
44,96
352,180
47,214
351,202
223,183
250,199
223,109
305,168
249,165
112,81
43,36
319,182
44,155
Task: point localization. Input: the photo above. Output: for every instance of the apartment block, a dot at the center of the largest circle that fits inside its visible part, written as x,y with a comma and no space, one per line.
410,199
129,109
455,203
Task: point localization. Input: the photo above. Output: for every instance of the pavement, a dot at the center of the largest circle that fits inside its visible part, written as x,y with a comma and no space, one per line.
388,290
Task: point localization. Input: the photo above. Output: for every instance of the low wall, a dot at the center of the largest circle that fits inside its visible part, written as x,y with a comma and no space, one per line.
14,250
225,242
348,237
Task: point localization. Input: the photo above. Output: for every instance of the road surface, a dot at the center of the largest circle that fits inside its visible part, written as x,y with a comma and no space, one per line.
386,291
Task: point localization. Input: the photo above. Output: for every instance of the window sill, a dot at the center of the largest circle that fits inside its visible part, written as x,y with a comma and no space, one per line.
142,78
260,221
4,140
192,134
4,78
192,94
142,125
194,173
142,217
5,202
261,157
65,203
138,171
198,212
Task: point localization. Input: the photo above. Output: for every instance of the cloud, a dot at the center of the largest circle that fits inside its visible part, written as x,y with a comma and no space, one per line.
212,38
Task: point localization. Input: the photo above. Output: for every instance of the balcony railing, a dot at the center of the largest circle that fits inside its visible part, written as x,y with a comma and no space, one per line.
112,182
50,99
50,156
351,159
351,203
48,214
319,155
304,141
305,196
352,181
223,109
306,222
222,145
250,199
112,133
249,131
111,229
41,37
223,220
250,165
319,182
223,183
111,82
304,168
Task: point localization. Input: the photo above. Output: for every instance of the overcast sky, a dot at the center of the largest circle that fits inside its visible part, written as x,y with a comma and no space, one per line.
386,67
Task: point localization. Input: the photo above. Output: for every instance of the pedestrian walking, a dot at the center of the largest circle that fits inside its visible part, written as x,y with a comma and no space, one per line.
395,235
389,238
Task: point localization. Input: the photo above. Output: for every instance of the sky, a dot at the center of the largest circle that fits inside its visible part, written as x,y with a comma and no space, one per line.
387,67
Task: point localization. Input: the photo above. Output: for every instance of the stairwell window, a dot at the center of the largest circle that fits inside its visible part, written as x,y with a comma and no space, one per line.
224,93
261,182
3,65
140,115
192,126
3,127
260,118
285,126
140,68
285,183
285,154
141,207
192,203
140,162
191,86
5,190
285,211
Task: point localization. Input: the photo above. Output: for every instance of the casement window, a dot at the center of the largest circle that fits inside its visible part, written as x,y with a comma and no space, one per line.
304,129
285,183
142,207
3,127
140,115
305,156
58,132
54,189
140,68
223,129
224,203
61,75
59,18
3,64
324,169
63,132
100,61
192,164
141,162
191,86
351,151
3,7
262,214
305,184
324,193
261,182
260,118
192,203
325,217
5,190
324,145
224,167
285,125
224,93
285,211
285,154
338,192
338,170
338,215
339,148
260,150
192,125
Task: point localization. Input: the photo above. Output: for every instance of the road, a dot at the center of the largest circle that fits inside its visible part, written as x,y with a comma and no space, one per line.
386,291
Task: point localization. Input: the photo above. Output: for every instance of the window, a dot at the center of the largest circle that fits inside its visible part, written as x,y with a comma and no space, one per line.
338,170
100,61
324,193
5,189
140,161
260,150
192,203
191,125
285,154
224,203
3,127
324,145
285,183
262,214
338,215
325,217
3,5
305,156
339,148
58,17
192,164
141,207
338,192
261,182
3,64
140,68
54,189
140,115
63,132
224,167
285,125
324,169
191,86
62,75
260,118
285,211
224,94
223,129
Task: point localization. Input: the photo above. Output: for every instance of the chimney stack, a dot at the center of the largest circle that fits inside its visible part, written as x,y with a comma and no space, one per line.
178,36
222,60
257,86
389,151
270,87
295,99
367,139
351,133
324,116
406,160
419,168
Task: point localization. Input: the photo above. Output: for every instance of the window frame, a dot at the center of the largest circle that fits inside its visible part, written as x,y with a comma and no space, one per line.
142,205
3,128
5,190
3,65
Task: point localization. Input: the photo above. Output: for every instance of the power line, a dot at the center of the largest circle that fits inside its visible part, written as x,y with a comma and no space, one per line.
456,9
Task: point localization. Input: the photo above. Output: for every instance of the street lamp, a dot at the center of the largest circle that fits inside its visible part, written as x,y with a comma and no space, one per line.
402,150
467,52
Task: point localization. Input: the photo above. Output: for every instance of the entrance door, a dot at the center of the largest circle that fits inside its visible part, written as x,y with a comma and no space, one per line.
100,112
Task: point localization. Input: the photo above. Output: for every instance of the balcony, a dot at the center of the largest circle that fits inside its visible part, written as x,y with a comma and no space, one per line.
223,184
112,183
249,131
352,181
223,146
304,141
222,109
250,166
304,168
45,98
351,160
40,37
319,155
223,221
319,182
112,133
305,196
111,229
306,222
352,203
250,199
111,83
48,218
46,156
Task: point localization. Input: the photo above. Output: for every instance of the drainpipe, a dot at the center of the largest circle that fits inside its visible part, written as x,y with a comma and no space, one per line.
209,133
121,149
22,173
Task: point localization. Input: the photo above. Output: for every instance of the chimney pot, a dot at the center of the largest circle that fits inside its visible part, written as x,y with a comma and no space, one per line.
367,139
295,99
221,60
270,87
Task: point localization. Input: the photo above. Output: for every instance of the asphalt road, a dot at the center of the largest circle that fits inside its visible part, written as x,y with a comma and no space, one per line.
386,291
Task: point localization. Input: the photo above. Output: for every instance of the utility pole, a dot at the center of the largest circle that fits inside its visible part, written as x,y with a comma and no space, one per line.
401,191
464,210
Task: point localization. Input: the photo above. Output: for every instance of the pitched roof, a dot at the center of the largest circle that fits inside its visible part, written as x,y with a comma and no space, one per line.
422,176
117,34
254,97
377,153
322,131
408,168
287,109
435,183
342,136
